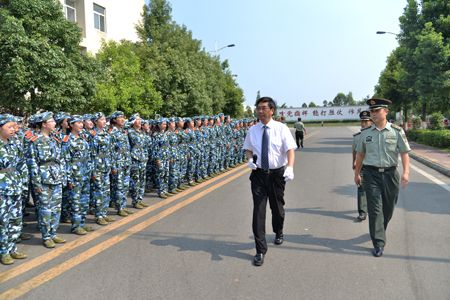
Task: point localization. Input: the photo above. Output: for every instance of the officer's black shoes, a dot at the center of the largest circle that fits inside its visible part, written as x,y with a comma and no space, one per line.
361,218
279,239
258,260
377,251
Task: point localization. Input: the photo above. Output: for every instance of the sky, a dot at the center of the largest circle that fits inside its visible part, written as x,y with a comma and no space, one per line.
297,51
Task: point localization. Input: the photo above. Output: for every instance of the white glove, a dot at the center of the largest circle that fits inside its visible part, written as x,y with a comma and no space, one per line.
251,165
288,174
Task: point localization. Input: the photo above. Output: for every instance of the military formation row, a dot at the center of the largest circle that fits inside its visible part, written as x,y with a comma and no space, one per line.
70,164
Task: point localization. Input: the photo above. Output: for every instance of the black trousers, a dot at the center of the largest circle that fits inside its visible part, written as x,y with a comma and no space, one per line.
299,136
267,185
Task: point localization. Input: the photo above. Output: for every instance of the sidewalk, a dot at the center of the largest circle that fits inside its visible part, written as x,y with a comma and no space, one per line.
434,158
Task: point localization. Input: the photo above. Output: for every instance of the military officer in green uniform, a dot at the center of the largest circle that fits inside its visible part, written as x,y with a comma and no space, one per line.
376,163
300,131
366,122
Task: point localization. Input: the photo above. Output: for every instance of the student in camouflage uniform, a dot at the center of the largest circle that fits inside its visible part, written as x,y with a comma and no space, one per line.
121,162
62,130
204,147
161,156
47,177
77,156
101,155
139,157
182,153
150,167
11,183
174,171
192,150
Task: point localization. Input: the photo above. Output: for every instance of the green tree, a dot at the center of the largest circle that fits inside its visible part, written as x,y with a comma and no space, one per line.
432,60
189,80
312,104
340,99
304,105
325,103
125,85
40,58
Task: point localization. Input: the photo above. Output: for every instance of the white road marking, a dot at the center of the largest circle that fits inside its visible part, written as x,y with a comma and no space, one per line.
431,177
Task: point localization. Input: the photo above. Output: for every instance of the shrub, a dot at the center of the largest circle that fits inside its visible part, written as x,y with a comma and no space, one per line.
416,122
437,121
435,138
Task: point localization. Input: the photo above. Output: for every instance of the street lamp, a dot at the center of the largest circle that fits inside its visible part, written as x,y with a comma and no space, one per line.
216,50
384,32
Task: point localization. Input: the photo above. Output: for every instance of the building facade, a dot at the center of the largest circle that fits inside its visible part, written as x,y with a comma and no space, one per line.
104,20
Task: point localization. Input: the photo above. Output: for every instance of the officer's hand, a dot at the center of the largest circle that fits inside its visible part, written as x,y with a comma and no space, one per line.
288,174
404,180
354,166
358,179
251,165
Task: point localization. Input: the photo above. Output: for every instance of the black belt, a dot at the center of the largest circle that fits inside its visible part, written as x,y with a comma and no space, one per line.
379,169
269,171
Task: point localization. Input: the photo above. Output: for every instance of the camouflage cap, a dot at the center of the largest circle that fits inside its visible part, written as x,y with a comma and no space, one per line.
5,118
116,114
75,118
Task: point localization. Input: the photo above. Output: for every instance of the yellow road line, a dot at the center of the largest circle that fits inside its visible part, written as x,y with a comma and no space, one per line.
54,272
35,262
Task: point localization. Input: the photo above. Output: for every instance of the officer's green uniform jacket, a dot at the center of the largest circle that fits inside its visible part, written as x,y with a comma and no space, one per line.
381,147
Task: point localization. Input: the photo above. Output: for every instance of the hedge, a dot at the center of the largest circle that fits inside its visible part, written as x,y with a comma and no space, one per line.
435,138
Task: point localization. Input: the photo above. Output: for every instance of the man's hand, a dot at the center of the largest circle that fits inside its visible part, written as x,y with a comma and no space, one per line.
251,164
288,174
358,179
405,180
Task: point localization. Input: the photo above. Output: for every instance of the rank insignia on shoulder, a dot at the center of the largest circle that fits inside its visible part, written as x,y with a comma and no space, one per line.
357,133
396,127
66,138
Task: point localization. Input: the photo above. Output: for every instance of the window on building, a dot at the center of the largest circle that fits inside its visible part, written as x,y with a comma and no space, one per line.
99,18
70,11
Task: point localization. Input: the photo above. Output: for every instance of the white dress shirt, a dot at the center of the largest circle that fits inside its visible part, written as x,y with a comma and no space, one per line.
280,142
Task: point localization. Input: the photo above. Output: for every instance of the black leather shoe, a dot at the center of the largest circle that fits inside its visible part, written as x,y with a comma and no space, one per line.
258,260
279,239
361,218
377,251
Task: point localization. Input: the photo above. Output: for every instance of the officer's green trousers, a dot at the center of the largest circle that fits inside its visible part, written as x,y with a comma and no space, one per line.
382,193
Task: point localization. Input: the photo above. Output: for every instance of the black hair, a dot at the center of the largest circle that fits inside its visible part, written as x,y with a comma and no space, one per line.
299,119
269,101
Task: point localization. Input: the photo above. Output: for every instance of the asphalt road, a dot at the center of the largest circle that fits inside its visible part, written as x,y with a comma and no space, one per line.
199,244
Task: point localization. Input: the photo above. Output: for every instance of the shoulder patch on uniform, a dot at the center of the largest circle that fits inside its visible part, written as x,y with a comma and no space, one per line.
66,138
93,132
28,137
396,127
56,139
33,138
110,129
357,133
28,133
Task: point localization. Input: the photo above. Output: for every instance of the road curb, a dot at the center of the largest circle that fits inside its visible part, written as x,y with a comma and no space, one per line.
430,164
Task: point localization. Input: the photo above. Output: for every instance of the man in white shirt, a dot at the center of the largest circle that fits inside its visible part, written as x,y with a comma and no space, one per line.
270,153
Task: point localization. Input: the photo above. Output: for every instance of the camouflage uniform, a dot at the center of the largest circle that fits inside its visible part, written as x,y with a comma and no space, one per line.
120,168
161,156
76,154
139,157
101,155
47,176
12,170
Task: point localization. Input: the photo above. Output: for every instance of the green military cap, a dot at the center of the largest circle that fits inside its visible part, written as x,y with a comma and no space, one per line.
377,103
365,115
